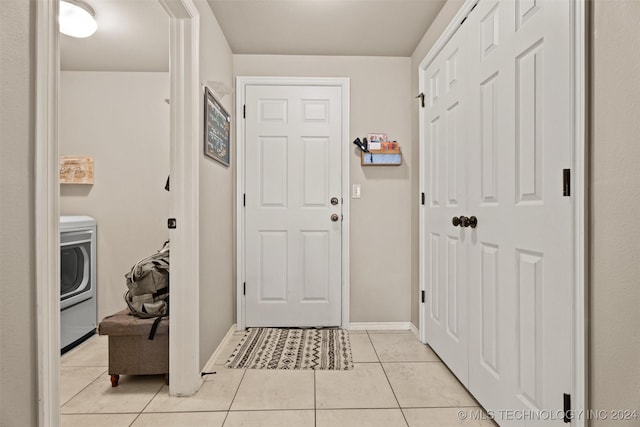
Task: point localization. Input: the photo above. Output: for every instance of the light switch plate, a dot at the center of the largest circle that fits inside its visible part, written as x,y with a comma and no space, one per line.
356,191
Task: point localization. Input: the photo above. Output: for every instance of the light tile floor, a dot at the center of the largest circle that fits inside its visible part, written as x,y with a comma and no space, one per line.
396,381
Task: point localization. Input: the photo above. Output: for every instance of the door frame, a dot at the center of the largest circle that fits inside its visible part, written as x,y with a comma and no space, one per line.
185,151
241,87
579,95
47,196
184,205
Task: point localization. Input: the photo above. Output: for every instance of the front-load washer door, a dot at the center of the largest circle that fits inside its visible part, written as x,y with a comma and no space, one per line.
75,268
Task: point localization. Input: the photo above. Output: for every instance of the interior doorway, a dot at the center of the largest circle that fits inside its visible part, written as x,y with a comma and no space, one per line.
184,152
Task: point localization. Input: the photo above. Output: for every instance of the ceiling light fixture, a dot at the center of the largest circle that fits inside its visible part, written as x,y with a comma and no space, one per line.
77,19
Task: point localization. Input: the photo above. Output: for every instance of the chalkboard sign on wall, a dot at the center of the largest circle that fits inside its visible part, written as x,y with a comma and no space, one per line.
217,125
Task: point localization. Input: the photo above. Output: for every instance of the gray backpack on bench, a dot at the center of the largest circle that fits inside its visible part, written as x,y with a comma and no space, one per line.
148,283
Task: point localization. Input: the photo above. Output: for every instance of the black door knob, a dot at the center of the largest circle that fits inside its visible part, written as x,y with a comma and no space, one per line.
464,221
455,221
473,222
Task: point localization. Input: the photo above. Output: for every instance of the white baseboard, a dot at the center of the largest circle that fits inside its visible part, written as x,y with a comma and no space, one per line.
210,363
415,331
380,326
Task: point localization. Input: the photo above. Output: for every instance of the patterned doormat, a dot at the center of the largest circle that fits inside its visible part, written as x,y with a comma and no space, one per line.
281,348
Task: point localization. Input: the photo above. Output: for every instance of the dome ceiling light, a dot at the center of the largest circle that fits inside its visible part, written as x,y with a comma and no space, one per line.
77,19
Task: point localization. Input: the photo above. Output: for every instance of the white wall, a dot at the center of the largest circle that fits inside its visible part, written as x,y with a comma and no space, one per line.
217,260
380,221
445,16
615,205
122,121
18,374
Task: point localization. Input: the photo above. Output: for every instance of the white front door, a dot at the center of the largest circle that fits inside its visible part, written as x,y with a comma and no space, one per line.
293,213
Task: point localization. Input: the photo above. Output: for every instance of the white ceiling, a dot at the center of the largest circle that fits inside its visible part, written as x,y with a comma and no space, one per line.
133,35
325,27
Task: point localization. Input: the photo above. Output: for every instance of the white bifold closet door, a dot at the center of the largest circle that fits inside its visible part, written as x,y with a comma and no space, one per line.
497,140
448,106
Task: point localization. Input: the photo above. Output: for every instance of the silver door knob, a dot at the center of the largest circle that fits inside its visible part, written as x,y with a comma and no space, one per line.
335,217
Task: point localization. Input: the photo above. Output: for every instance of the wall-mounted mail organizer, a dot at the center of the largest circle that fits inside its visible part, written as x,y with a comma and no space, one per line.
391,157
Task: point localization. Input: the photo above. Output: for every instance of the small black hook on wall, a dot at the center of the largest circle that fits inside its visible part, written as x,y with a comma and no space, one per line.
421,96
364,146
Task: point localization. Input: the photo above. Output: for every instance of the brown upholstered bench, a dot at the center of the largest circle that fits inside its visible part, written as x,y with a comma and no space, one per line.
131,352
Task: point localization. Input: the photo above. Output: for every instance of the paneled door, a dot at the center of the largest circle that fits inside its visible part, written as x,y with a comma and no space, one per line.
293,218
515,239
445,249
520,262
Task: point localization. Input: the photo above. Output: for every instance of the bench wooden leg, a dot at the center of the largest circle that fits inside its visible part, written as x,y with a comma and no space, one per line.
114,380
166,379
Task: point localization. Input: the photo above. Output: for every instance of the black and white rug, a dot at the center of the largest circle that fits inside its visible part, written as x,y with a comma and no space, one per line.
281,348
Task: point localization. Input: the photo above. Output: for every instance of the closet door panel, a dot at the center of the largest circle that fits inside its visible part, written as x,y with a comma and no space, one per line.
520,252
446,184
497,138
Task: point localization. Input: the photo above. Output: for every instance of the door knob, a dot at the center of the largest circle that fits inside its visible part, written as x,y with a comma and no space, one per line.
335,217
463,221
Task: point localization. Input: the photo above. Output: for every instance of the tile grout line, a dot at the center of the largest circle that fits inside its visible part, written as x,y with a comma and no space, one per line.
319,410
272,410
234,397
135,419
148,403
373,409
106,369
78,350
374,348
83,366
389,382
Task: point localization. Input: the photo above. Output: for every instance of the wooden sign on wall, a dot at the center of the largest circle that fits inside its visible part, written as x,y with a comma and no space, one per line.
76,170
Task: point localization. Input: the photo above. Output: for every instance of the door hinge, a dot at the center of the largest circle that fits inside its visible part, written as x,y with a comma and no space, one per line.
566,182
172,223
421,96
567,408
244,111
244,288
465,18
422,296
422,198
244,199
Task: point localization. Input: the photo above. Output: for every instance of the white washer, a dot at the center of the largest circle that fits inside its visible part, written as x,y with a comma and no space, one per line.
78,308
